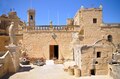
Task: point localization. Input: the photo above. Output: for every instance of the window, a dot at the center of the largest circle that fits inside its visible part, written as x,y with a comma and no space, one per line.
31,17
94,20
109,38
96,62
98,54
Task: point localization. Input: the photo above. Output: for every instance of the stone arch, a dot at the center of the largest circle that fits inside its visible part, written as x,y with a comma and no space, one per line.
106,41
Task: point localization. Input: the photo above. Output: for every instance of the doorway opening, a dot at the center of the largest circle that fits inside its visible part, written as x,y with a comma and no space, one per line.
92,71
54,51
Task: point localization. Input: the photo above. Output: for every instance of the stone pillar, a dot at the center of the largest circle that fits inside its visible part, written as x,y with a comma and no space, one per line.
77,55
14,58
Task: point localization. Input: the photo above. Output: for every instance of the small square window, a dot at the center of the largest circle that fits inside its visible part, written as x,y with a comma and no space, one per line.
96,62
98,54
31,17
94,20
109,38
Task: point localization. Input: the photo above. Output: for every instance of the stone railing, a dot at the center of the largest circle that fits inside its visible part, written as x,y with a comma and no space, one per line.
53,28
48,28
4,61
110,25
41,28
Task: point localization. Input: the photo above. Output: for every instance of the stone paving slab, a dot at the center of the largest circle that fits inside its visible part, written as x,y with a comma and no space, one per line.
49,71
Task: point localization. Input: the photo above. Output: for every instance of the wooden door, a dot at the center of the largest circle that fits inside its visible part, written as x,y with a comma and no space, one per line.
51,50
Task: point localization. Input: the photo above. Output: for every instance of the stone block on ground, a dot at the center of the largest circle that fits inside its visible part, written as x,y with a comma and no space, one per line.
71,70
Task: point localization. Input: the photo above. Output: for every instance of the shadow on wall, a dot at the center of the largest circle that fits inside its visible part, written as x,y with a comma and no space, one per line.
22,69
25,69
7,76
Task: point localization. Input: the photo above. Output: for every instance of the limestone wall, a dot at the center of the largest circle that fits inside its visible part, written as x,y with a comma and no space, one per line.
9,63
77,55
87,16
4,61
37,44
98,30
114,71
91,61
5,40
86,59
94,33
77,18
7,59
114,31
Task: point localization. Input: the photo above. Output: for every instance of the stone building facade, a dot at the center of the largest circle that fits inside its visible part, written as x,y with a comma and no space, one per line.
49,42
5,21
98,41
85,39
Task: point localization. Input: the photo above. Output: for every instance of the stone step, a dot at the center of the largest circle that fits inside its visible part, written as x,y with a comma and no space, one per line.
49,62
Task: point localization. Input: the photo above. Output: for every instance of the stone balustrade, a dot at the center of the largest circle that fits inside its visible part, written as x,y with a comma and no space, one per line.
54,28
46,28
111,25
41,28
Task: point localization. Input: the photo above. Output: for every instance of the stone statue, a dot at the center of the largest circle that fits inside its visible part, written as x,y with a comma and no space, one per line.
11,33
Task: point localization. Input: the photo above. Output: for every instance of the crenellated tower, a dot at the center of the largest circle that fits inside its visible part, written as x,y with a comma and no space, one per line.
88,16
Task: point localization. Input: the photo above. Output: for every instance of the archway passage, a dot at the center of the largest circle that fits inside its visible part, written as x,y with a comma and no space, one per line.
54,51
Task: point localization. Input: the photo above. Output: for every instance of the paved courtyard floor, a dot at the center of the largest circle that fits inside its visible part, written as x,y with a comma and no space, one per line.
49,71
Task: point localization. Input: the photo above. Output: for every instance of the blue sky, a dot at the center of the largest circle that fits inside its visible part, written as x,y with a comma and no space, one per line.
47,10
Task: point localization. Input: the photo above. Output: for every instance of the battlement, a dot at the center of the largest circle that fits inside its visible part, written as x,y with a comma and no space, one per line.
88,9
49,28
88,16
31,10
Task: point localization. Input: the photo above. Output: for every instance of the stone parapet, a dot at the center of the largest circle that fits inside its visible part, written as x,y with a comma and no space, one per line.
110,25
54,28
